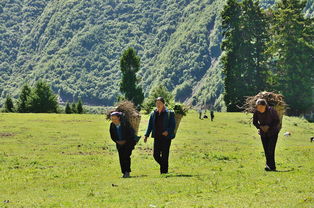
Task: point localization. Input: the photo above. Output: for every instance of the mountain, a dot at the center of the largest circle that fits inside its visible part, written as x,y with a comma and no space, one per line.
76,46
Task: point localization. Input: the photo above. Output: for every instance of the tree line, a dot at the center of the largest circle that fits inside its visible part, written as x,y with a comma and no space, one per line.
91,36
39,99
268,49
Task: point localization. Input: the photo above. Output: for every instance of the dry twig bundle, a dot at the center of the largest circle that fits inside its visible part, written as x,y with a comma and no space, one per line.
131,115
274,100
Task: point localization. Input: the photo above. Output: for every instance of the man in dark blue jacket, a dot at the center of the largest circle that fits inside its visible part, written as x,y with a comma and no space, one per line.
161,124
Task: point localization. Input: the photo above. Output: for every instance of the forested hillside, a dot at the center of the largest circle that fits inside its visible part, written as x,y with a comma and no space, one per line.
76,45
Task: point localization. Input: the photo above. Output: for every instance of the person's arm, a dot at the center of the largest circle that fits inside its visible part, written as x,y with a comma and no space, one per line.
112,132
255,121
149,127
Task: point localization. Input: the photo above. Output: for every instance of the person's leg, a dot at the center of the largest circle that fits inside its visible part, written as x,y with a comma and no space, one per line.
265,141
271,149
165,156
157,150
127,157
121,159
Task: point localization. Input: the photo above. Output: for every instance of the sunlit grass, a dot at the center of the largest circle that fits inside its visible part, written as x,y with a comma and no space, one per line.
53,160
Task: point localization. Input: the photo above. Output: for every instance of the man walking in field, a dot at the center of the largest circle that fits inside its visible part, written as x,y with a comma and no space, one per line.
266,120
212,115
200,113
161,124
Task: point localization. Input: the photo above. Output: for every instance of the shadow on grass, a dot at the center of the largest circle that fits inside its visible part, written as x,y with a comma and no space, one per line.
139,176
179,175
284,171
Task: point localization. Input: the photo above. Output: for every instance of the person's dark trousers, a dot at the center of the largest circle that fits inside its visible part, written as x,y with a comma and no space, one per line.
125,152
269,144
161,153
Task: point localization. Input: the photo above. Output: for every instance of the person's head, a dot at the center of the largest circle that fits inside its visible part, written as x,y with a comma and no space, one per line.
160,103
116,117
261,105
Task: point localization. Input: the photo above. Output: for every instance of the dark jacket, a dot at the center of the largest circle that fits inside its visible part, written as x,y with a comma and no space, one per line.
169,124
127,133
268,118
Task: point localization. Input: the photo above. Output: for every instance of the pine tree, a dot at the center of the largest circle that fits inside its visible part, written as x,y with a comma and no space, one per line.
254,29
68,109
42,99
22,102
74,108
157,91
293,48
245,30
8,105
79,107
231,57
129,87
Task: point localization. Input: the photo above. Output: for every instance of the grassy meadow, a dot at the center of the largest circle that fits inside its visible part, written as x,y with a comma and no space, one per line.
55,160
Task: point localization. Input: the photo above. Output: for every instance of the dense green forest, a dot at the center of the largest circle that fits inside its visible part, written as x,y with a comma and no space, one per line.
76,45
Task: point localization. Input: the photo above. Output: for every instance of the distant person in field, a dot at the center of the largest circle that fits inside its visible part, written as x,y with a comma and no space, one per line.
123,135
212,115
200,113
205,116
161,124
266,120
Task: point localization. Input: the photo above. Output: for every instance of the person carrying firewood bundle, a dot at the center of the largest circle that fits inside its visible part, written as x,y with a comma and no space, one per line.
266,120
123,135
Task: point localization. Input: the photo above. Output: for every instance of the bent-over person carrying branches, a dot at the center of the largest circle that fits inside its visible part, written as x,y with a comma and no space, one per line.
123,135
266,120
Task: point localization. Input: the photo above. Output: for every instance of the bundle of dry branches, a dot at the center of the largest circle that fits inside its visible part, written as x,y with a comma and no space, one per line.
130,114
274,100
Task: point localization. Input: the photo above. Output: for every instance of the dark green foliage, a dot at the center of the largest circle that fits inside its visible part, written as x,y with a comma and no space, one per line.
252,63
8,105
79,107
292,47
68,109
129,87
74,108
180,109
42,99
254,28
231,60
245,29
75,45
184,91
157,91
23,100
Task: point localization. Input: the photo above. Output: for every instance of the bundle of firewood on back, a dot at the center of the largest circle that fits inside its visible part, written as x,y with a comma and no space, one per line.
130,114
179,111
276,101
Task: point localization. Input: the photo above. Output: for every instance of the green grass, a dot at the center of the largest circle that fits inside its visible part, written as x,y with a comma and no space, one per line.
54,160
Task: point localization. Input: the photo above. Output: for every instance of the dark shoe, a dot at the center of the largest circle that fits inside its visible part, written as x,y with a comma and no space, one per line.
126,175
269,169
